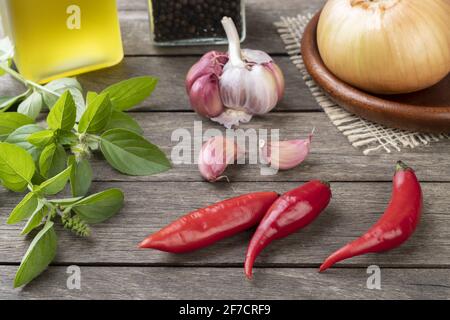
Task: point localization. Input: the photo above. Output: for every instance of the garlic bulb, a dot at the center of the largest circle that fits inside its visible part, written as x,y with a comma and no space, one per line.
216,154
231,88
285,155
386,46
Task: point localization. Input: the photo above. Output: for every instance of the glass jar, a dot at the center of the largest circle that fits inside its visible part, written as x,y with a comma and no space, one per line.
193,22
61,38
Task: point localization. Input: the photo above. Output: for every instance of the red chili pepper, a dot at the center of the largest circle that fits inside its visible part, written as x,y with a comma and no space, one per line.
395,226
289,213
205,226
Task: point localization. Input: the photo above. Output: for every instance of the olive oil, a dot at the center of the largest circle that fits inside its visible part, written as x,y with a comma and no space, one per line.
60,38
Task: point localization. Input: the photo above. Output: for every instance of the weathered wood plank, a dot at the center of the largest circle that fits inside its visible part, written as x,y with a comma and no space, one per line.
229,283
261,14
150,206
332,157
170,94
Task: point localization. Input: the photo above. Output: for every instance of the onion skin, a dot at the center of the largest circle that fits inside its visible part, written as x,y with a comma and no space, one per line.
386,46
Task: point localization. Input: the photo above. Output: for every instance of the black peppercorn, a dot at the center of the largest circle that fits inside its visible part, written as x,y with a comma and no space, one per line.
176,20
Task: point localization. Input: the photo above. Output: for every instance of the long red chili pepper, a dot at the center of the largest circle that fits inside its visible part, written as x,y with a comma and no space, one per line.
205,226
395,226
289,213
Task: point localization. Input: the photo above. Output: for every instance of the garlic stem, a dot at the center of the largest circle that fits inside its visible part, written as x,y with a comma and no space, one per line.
234,42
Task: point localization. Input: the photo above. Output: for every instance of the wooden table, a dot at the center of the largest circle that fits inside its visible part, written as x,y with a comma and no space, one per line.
112,267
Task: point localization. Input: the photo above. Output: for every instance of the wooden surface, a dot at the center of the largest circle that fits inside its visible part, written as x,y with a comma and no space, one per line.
112,267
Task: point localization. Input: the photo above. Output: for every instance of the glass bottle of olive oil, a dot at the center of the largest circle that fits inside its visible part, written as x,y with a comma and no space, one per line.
61,38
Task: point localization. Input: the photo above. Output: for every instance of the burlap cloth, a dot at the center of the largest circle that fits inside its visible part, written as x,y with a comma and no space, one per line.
365,135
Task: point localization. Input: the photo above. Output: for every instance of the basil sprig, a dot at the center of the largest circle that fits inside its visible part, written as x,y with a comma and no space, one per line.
43,160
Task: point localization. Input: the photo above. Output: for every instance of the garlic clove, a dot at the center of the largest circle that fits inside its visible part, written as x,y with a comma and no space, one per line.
285,155
253,91
279,78
204,96
211,63
216,154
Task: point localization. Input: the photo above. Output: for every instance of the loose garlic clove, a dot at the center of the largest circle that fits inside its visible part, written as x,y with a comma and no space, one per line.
285,155
216,154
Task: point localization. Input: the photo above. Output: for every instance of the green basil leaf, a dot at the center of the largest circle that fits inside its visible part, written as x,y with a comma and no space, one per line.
63,114
65,202
96,116
56,184
42,138
99,207
39,255
131,154
90,96
32,105
24,209
20,138
36,219
16,167
121,120
127,94
7,104
10,121
52,161
60,86
80,177
66,138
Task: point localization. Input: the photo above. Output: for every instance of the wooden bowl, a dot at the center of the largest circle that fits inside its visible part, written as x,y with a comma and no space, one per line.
423,111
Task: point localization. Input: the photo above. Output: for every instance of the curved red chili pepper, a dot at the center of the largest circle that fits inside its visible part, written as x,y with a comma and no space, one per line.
395,226
289,213
205,226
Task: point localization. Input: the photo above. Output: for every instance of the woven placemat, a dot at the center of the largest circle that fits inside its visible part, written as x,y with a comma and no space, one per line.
365,135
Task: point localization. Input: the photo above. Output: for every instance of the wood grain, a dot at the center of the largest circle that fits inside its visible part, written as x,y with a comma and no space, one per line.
229,283
148,209
170,94
332,157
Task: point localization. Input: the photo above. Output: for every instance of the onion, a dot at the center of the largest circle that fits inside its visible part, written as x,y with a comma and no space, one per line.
386,46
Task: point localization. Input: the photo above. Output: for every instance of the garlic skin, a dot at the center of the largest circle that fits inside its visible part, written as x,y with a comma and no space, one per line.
202,84
286,155
216,154
386,46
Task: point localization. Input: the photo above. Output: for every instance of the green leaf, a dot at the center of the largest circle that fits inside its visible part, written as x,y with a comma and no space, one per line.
99,207
52,161
96,116
16,167
80,176
10,121
131,154
62,115
90,96
121,120
39,255
6,104
65,202
42,138
20,138
66,138
60,86
36,219
56,184
127,94
32,105
24,209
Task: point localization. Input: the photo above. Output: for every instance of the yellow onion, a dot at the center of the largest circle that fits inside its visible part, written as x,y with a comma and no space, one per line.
386,46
